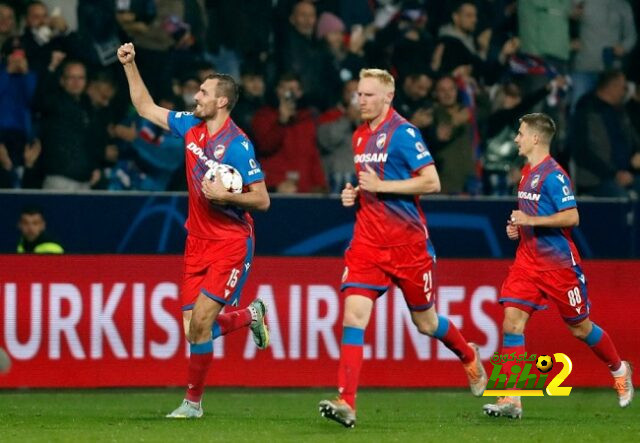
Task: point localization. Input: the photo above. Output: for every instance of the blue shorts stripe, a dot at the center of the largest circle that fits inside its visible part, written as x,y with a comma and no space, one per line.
364,286
421,307
235,297
215,331
594,336
201,348
352,336
522,302
188,307
510,340
443,327
213,296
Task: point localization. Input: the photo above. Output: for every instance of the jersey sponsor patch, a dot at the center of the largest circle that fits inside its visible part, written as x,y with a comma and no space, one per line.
528,196
420,147
379,157
181,113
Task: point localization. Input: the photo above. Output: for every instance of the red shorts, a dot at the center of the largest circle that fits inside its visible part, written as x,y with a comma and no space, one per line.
216,268
529,290
370,270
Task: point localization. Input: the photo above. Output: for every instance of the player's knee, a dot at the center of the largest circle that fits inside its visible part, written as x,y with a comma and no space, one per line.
354,318
581,330
426,326
513,326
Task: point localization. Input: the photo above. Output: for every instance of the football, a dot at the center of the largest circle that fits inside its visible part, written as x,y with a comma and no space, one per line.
231,178
544,363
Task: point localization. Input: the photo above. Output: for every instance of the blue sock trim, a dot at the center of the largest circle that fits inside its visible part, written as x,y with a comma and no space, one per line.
594,336
510,340
215,331
352,336
201,348
443,327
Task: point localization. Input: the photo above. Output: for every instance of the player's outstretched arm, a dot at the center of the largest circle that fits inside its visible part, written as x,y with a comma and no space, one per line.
426,182
563,219
140,96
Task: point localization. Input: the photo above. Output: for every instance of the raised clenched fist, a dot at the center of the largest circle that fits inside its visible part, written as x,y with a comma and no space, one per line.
126,53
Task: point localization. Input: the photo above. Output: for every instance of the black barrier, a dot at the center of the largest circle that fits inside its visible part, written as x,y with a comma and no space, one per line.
108,222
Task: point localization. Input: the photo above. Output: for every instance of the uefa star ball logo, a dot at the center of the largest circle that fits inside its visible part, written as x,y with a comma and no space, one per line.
544,363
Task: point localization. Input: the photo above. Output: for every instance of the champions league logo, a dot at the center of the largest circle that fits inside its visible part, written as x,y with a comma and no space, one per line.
382,138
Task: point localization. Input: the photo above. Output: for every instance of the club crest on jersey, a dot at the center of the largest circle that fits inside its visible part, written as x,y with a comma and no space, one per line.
535,181
382,138
218,152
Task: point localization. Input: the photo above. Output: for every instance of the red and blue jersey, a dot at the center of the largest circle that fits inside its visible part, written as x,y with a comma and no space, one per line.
545,190
396,151
229,145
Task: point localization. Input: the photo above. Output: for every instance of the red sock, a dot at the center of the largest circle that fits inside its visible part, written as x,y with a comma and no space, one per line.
199,363
602,345
231,321
448,334
349,372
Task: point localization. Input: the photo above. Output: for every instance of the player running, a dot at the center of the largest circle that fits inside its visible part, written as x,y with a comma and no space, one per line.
547,264
219,245
390,242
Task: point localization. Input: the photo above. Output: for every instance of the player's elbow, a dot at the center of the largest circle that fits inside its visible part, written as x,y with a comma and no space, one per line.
576,219
264,204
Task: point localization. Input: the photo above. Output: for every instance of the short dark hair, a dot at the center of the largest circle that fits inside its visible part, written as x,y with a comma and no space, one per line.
607,77
31,210
226,87
541,123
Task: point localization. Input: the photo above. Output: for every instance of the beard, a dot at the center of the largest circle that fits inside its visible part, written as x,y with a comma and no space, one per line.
202,114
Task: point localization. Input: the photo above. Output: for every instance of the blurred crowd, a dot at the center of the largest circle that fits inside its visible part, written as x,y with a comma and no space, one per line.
465,71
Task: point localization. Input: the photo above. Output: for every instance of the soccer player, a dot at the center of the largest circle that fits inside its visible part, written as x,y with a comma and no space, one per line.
219,245
390,241
547,264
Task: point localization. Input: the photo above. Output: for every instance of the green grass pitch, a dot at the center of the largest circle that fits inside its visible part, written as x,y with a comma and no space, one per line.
236,415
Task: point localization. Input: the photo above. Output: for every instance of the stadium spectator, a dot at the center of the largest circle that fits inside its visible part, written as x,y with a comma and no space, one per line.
413,100
252,97
346,59
34,239
604,144
17,89
501,163
607,35
305,56
98,32
451,138
43,35
390,241
219,246
286,141
547,264
335,129
71,148
7,22
148,154
238,32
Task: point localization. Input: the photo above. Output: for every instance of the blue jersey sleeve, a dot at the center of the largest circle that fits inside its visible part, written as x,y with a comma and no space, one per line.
181,122
557,187
408,140
241,156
